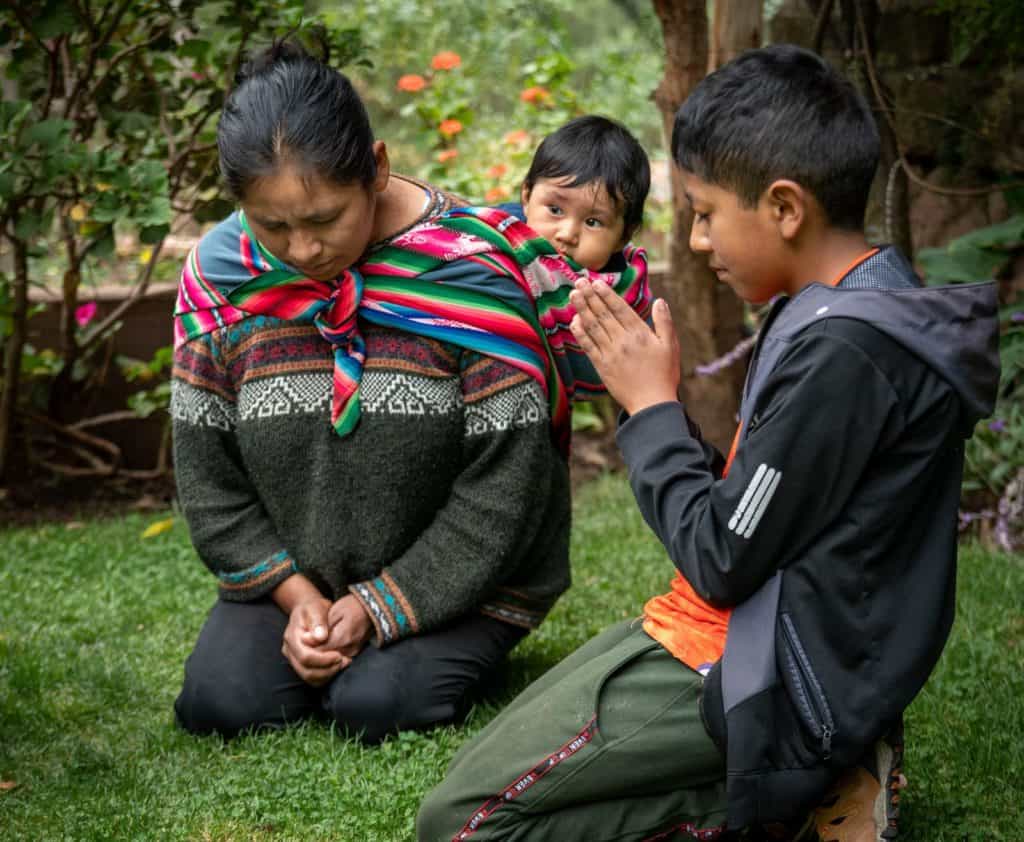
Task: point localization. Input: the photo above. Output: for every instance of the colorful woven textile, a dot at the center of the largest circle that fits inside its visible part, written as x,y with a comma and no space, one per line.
475,277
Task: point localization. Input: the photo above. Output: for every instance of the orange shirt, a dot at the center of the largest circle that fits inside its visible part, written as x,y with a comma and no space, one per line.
692,630
687,626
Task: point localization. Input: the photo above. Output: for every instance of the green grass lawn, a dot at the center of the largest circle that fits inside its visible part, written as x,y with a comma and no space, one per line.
95,623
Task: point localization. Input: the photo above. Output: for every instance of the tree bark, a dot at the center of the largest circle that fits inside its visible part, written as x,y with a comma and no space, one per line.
891,191
708,316
12,358
737,25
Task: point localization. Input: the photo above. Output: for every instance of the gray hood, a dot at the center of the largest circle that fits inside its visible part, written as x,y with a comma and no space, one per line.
954,329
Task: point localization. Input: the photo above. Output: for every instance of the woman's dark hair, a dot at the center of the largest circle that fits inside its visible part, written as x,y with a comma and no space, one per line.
288,105
781,112
594,148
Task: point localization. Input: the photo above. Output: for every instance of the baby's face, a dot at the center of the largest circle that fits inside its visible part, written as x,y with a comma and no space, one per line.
583,222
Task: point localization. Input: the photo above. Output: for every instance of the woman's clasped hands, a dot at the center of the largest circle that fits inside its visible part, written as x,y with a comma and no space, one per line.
322,637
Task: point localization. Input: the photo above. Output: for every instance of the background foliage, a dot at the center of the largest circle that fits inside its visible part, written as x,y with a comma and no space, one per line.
108,122
521,69
994,456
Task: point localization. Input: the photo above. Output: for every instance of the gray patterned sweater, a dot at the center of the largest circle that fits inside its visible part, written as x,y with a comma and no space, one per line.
448,497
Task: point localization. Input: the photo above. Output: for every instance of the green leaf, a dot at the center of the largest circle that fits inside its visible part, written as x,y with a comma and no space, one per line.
12,113
48,133
153,234
57,18
1002,235
8,184
104,248
31,224
195,48
946,266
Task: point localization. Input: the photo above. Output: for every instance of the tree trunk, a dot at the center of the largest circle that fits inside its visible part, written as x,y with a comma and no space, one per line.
12,359
737,25
708,316
891,190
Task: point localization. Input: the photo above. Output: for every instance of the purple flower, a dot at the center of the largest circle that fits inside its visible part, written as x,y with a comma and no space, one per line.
997,425
1017,316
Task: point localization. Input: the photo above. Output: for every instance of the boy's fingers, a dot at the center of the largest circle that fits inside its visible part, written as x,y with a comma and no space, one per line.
599,320
662,319
586,343
615,307
588,317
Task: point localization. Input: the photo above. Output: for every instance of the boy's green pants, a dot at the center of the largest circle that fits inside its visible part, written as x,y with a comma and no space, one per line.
608,745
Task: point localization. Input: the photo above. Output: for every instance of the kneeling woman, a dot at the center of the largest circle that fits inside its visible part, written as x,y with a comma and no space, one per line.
367,447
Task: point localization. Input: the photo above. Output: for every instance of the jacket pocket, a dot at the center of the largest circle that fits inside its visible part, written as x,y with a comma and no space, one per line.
804,689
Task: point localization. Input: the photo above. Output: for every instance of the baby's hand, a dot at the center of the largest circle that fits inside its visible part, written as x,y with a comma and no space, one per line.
638,366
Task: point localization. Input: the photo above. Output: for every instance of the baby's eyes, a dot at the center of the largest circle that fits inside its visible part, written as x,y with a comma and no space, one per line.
594,223
701,217
554,210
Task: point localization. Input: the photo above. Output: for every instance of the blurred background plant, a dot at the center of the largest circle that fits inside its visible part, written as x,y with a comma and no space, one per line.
108,123
108,127
994,458
463,98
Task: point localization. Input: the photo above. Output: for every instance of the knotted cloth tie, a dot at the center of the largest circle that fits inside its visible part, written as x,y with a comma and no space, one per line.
478,278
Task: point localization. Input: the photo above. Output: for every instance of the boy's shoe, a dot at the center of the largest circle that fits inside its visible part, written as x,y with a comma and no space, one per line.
864,804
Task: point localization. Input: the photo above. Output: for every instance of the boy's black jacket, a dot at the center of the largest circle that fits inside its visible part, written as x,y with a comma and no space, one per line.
834,533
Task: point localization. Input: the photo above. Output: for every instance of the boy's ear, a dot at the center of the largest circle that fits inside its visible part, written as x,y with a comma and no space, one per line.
524,196
789,205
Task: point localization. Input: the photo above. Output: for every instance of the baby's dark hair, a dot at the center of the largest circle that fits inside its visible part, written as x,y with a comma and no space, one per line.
594,148
781,112
289,106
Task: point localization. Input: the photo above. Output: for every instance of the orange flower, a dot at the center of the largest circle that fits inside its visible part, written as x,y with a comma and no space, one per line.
536,95
517,137
450,127
446,60
446,155
496,194
411,82
497,171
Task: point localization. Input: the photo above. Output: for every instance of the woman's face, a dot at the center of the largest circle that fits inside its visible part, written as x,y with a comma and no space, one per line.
314,224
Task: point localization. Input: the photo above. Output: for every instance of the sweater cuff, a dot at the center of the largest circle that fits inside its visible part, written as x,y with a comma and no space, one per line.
258,580
389,610
638,435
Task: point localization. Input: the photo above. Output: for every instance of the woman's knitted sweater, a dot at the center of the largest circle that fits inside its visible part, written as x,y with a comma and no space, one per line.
448,497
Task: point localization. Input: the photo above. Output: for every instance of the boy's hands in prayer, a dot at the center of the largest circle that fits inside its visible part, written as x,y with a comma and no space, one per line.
639,366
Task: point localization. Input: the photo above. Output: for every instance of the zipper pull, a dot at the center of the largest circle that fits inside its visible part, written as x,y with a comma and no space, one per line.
826,742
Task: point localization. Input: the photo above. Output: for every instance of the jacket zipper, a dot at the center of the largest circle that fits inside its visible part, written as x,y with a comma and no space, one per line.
820,719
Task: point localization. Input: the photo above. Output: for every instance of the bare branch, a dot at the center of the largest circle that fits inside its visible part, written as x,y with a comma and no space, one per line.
820,22
80,438
20,14
107,418
137,292
94,50
125,53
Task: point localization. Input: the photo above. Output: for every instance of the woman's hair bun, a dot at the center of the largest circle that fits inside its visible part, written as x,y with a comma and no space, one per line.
285,50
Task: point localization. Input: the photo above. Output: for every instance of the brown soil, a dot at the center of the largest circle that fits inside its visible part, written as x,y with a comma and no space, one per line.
52,500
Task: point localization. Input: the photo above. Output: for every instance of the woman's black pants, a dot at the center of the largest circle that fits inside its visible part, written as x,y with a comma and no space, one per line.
236,678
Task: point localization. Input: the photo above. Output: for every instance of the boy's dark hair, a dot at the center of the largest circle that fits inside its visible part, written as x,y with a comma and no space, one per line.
781,112
594,148
288,104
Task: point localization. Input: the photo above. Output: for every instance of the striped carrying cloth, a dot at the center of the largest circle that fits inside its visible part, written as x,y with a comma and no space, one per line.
474,277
